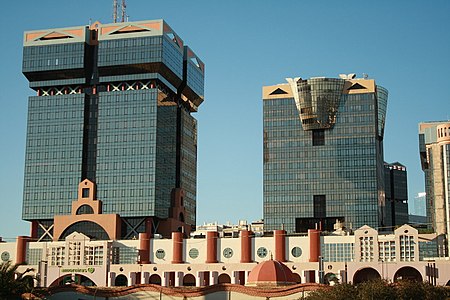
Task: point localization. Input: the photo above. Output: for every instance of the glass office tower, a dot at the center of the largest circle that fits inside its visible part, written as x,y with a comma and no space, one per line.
396,187
113,105
323,153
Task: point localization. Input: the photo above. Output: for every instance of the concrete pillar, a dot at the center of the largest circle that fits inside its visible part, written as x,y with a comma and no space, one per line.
179,279
111,278
145,277
177,242
246,246
235,277
314,245
165,279
199,279
213,277
246,273
132,278
302,276
211,247
280,245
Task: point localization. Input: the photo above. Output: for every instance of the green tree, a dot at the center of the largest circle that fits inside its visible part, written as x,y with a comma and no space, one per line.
377,289
14,283
342,291
381,290
435,292
409,290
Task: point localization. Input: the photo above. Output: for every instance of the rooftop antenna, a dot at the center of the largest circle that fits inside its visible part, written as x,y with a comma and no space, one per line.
124,8
115,11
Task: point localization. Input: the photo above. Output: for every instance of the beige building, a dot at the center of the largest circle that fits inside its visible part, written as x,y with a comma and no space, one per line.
210,260
434,142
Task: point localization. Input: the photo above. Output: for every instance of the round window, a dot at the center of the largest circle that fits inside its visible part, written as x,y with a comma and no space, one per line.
296,252
160,253
227,252
5,256
193,253
261,252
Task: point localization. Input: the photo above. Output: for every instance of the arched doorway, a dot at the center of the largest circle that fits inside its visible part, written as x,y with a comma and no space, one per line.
224,278
297,278
76,279
63,280
121,280
365,274
188,280
408,273
155,279
331,279
83,280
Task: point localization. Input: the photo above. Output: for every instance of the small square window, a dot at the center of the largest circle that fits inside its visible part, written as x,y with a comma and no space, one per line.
85,193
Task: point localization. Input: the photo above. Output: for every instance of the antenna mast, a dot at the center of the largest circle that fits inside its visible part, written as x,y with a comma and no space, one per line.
124,8
115,11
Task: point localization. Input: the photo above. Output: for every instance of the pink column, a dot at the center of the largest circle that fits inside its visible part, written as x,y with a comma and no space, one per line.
280,245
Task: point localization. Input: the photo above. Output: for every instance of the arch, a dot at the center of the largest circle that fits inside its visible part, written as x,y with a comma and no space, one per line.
188,280
121,280
365,274
155,279
77,279
224,278
85,210
84,280
408,273
330,279
89,228
296,277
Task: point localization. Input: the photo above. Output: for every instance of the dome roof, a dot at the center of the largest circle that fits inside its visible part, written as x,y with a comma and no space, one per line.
270,273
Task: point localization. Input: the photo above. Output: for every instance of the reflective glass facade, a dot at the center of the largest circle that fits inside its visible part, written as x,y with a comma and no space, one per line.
114,106
53,158
396,187
126,152
141,50
322,161
54,57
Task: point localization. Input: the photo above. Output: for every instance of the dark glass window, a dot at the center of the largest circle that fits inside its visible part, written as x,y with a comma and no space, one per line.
85,193
91,229
319,206
318,137
85,210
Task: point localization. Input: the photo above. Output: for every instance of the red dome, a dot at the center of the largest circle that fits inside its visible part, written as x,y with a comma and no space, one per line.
270,273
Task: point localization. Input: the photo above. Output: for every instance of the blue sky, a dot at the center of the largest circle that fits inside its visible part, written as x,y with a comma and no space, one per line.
403,45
